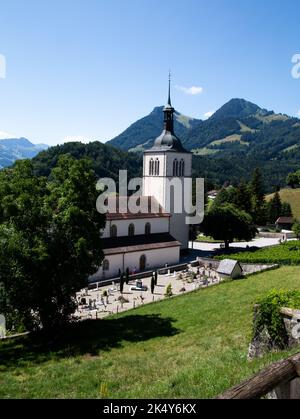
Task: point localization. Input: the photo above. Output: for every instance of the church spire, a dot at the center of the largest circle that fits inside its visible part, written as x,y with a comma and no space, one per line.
169,112
168,141
169,98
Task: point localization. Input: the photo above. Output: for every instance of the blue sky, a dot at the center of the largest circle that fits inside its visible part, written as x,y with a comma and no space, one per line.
90,68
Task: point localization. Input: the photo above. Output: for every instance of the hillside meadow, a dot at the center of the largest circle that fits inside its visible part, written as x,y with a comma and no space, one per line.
193,346
292,196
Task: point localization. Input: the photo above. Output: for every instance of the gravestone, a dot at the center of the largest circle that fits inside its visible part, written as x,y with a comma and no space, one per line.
2,327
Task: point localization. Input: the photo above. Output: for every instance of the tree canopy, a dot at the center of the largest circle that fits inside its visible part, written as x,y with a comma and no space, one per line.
49,240
227,223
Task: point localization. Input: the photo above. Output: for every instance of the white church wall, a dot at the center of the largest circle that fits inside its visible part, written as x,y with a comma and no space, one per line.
158,225
154,156
115,263
157,186
155,258
178,226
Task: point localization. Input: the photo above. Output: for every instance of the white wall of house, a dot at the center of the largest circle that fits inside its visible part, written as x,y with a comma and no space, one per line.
158,225
156,258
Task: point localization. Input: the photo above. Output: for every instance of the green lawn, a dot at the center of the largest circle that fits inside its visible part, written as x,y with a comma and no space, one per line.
206,239
194,346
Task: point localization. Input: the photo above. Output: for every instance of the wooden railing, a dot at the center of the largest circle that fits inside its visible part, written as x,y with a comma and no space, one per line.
281,377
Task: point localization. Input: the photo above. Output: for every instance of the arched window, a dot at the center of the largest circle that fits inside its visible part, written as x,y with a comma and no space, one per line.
151,167
158,167
175,164
148,229
183,168
106,265
113,231
143,261
177,168
131,230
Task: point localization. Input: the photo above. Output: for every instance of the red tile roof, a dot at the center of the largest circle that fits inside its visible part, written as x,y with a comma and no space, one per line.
150,208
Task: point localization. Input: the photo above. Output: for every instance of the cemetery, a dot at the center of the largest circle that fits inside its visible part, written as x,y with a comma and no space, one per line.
99,301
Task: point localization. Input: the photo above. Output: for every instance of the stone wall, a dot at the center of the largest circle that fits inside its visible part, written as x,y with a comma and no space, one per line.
248,269
262,343
279,236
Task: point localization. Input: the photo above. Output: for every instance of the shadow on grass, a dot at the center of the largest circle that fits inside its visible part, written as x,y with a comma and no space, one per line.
85,338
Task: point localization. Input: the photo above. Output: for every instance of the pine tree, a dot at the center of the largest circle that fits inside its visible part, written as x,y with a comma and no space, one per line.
243,197
127,276
274,208
152,285
122,284
258,198
286,210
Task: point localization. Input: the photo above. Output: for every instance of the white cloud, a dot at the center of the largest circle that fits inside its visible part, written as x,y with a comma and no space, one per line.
6,135
193,90
298,113
209,114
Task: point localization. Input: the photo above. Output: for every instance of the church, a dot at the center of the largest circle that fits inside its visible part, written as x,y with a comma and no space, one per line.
147,241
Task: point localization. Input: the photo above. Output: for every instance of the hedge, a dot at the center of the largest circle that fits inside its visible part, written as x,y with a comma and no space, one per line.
284,254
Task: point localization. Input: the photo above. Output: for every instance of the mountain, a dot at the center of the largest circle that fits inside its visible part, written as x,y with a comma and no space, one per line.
237,108
242,126
228,146
141,135
239,137
13,149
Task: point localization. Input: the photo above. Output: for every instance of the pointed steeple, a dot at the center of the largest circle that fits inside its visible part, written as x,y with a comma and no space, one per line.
169,112
168,141
169,98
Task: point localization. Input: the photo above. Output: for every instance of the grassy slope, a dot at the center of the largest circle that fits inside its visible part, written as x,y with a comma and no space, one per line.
192,346
292,196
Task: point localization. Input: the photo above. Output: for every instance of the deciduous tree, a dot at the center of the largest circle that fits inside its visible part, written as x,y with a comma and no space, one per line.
49,239
228,223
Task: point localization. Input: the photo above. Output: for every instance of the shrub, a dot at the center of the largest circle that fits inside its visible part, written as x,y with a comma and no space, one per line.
284,254
169,291
268,315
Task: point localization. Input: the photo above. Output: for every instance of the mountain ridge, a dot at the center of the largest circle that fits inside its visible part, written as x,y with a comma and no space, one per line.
12,149
238,126
141,134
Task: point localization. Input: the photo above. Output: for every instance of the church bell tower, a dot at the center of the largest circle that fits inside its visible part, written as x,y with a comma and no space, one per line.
166,161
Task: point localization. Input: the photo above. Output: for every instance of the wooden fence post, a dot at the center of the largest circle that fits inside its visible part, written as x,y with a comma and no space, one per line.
281,378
